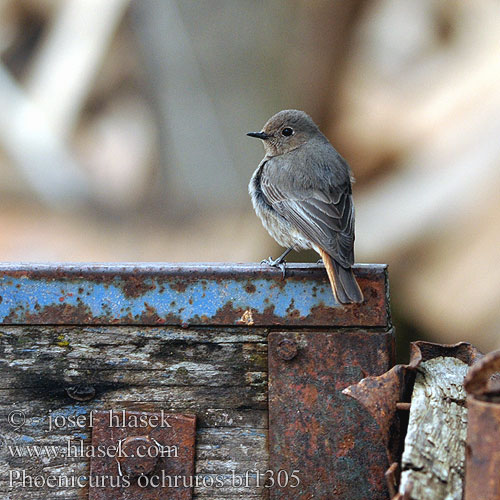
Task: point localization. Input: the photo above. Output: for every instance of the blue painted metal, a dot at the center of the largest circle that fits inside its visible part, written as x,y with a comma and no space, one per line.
185,294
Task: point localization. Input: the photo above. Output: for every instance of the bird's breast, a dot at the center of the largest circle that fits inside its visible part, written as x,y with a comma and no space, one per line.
276,225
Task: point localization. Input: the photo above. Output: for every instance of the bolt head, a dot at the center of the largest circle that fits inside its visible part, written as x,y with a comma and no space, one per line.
139,456
287,349
81,392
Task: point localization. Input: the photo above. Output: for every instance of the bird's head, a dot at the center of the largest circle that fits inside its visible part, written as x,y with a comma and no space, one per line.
286,131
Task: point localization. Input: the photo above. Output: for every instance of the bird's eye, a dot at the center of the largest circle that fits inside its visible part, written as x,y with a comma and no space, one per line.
287,131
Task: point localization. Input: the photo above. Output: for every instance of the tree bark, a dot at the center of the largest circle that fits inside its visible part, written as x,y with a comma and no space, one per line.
434,455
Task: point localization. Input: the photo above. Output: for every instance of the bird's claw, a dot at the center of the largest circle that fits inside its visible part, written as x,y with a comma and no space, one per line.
281,264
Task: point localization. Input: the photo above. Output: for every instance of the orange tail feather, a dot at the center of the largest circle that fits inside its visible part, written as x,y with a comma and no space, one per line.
344,285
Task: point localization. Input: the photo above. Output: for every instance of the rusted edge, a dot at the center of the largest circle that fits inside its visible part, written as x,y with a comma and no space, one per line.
479,381
483,429
392,475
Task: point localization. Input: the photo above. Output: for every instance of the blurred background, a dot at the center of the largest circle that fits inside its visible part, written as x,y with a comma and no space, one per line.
122,136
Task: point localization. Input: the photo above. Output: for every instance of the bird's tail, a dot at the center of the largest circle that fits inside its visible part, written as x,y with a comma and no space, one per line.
344,284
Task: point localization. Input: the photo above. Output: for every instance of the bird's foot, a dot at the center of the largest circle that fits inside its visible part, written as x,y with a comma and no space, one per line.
279,263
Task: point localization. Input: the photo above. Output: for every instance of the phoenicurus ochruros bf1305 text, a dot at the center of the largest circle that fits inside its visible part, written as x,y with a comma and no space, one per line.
302,192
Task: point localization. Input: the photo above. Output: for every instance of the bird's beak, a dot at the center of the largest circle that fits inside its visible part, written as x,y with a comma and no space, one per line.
259,135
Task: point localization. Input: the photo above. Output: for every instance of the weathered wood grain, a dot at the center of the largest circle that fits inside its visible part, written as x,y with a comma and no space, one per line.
219,375
434,454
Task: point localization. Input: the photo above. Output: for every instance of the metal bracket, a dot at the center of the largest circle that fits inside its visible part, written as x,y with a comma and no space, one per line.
141,455
327,440
483,429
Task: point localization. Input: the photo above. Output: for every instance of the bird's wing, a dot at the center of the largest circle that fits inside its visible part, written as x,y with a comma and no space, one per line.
324,216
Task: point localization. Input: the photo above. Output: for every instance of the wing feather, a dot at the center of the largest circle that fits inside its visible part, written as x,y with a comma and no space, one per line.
325,217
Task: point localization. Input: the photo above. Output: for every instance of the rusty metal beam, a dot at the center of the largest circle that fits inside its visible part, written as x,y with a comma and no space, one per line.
185,294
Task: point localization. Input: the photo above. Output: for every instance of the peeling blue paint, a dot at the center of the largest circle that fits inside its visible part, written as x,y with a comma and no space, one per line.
163,294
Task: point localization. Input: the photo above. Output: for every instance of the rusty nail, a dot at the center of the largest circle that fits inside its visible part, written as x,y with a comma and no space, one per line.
402,406
286,349
139,455
392,478
81,392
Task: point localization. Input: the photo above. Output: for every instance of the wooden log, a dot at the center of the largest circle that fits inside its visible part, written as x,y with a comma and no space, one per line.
434,454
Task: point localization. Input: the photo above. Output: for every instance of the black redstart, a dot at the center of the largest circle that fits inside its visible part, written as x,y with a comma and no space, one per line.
302,192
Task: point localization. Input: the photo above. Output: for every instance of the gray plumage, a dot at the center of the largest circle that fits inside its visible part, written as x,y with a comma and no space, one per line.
302,192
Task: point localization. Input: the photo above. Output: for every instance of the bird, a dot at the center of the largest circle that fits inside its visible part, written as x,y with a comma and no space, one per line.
302,193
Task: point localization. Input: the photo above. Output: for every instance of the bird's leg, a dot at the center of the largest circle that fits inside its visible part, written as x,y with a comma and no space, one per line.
279,262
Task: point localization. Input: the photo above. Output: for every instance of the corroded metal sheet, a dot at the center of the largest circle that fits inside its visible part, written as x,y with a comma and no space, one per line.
387,398
329,440
141,456
185,294
482,477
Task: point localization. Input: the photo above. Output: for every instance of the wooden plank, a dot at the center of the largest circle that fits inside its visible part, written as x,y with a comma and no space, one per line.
219,375
120,357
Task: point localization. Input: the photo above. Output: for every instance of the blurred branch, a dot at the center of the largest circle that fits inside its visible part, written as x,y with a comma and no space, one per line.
421,108
440,116
36,121
193,139
66,65
31,143
437,184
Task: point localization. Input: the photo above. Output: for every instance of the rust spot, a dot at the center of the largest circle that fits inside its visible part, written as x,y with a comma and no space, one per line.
226,313
291,311
60,313
345,445
250,288
150,315
179,286
135,286
247,318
